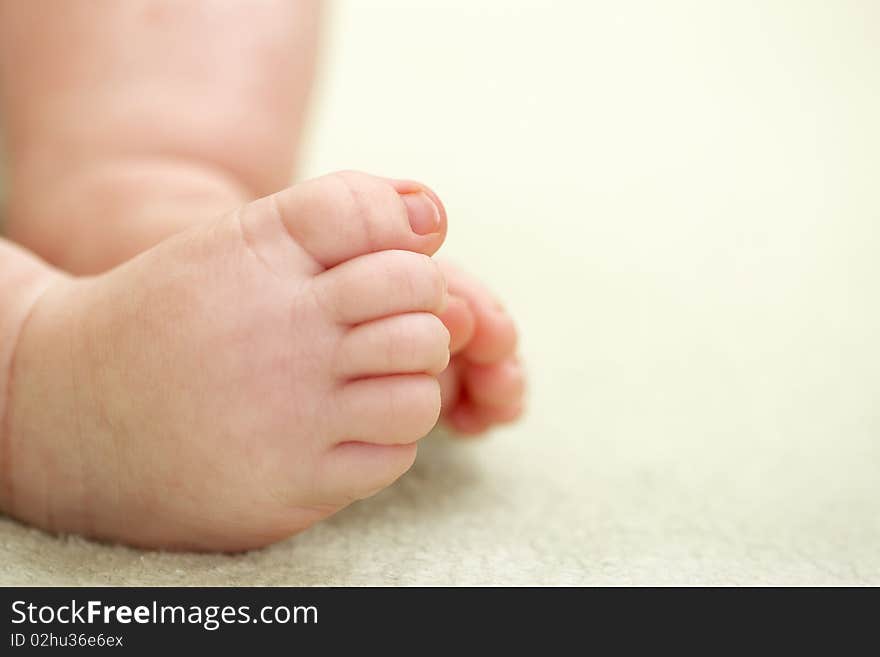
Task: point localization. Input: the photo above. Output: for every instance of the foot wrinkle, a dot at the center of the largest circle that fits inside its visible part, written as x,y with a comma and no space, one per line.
360,212
248,240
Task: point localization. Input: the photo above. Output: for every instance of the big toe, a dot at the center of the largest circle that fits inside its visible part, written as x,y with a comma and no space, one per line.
347,214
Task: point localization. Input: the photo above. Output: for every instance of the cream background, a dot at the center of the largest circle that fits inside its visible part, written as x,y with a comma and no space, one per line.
680,202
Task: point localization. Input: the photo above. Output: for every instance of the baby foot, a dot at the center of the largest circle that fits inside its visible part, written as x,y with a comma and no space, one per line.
484,383
241,380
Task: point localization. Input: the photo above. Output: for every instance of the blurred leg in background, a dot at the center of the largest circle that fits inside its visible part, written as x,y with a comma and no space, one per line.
125,122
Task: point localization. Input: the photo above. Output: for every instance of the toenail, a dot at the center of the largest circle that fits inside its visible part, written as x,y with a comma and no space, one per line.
424,216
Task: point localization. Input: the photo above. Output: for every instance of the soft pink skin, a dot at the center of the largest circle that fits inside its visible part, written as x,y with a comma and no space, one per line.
236,383
250,372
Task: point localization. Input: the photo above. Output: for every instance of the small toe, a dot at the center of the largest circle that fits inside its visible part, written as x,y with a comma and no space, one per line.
353,471
459,319
502,414
470,419
499,384
466,420
400,344
450,385
494,336
381,284
388,410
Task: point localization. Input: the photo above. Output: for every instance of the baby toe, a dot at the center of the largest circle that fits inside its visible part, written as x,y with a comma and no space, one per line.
450,385
354,471
381,284
494,337
401,344
388,410
499,384
459,319
469,418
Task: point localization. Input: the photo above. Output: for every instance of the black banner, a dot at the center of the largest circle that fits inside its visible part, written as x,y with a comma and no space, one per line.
114,619
296,619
